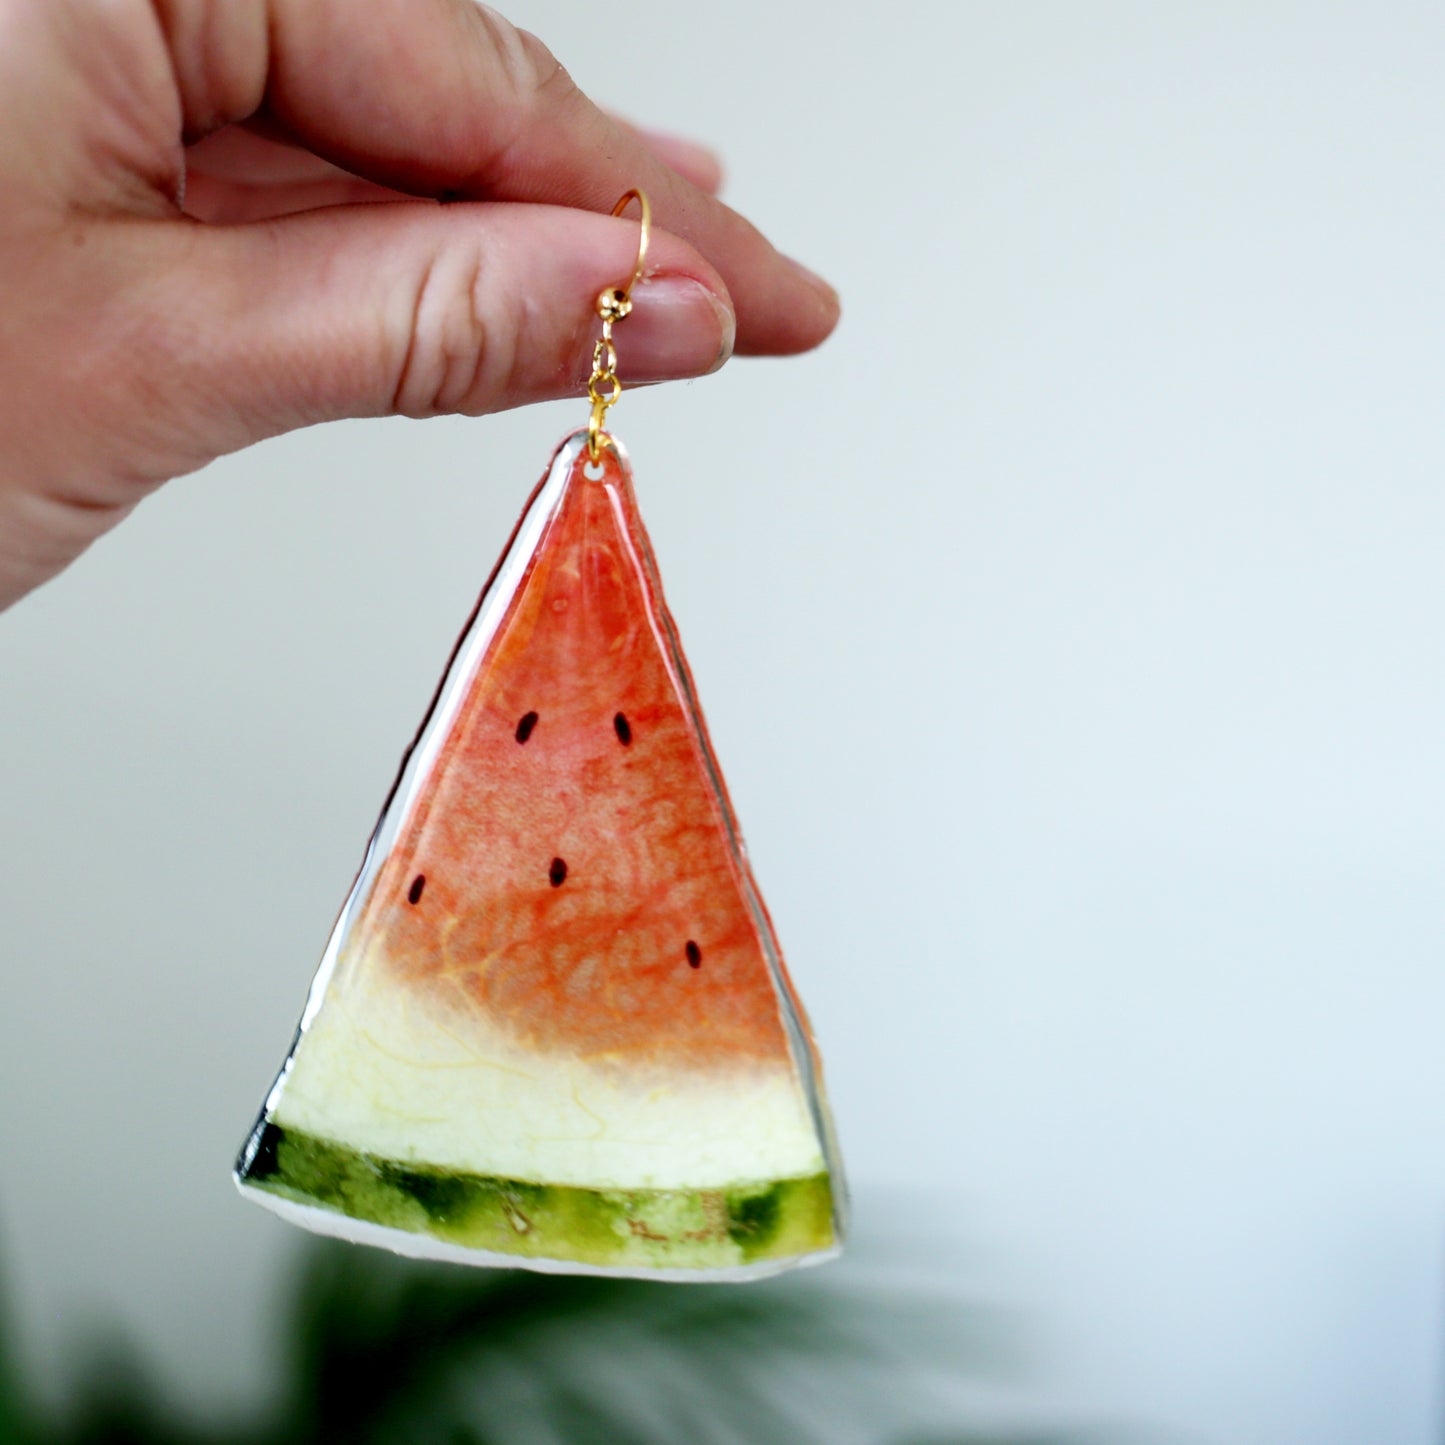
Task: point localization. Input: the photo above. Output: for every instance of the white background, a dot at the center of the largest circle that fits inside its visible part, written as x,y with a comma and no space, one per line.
1069,629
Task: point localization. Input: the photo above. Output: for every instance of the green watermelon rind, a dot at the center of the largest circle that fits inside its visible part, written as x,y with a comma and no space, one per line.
751,1224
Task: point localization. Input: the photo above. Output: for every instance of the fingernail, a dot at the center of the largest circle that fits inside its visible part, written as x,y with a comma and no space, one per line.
677,328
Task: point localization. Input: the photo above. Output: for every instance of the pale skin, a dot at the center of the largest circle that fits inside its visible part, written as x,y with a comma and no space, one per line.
224,219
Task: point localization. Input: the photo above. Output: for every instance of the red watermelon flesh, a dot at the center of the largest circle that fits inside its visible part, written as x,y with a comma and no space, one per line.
555,971
575,841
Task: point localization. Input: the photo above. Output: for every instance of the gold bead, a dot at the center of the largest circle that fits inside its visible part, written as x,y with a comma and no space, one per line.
613,304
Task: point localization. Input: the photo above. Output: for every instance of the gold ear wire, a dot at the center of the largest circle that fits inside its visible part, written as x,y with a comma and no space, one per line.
603,388
644,234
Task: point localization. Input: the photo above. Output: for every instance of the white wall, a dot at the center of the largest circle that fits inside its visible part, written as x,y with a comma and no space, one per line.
1070,629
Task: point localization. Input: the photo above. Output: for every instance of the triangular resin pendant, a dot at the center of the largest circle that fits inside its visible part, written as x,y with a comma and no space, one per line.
553,1027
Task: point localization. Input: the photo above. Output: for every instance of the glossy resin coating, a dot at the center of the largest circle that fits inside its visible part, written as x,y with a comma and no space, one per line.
553,1026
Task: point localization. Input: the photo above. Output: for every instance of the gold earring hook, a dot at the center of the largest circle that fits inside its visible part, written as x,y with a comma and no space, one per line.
644,234
613,304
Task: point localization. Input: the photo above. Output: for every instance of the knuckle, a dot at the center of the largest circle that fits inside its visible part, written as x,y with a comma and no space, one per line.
457,352
527,67
527,81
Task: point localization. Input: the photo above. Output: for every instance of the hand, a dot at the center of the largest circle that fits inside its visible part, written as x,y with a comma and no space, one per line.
193,257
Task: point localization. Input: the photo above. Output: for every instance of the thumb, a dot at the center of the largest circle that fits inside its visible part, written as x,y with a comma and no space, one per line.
168,345
415,309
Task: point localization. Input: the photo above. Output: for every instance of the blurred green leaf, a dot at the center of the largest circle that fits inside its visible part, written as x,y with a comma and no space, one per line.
389,1351
382,1341
16,1424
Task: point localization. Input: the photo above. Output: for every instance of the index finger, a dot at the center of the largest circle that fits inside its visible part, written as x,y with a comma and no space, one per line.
446,98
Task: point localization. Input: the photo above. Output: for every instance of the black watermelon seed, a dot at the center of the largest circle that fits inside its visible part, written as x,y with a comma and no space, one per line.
524,728
413,894
624,729
694,955
557,873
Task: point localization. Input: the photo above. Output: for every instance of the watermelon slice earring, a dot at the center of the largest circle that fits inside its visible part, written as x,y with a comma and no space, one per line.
553,1027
